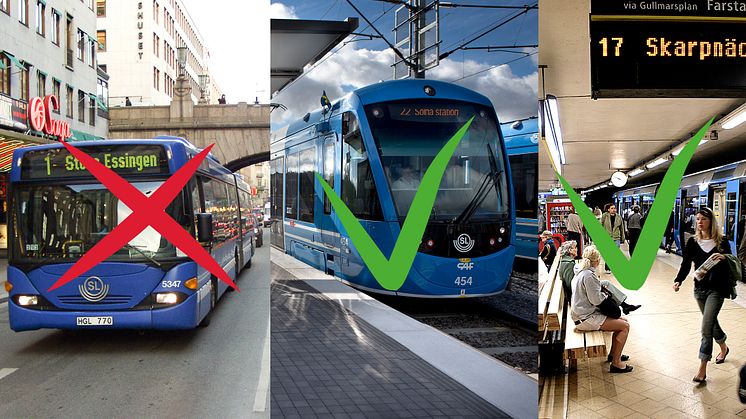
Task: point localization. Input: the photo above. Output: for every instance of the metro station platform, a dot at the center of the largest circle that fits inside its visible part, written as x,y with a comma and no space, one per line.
337,352
663,346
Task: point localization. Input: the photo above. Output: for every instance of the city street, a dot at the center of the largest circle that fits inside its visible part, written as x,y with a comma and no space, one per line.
218,371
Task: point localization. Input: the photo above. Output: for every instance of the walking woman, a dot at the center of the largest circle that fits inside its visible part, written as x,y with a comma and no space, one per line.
712,289
587,295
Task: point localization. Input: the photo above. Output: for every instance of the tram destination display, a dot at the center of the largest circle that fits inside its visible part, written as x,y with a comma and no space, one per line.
127,160
684,48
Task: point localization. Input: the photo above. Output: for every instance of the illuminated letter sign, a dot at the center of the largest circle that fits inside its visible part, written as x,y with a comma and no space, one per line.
40,117
681,48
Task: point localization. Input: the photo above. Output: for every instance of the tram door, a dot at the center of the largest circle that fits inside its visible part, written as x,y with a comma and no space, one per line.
328,230
718,206
731,213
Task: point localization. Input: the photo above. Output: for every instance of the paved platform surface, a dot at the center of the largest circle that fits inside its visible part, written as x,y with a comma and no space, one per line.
327,361
663,346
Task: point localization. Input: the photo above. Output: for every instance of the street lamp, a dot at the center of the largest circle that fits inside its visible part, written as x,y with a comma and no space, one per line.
181,56
204,81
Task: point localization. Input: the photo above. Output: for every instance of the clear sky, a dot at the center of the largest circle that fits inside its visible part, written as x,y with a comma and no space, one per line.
507,77
236,32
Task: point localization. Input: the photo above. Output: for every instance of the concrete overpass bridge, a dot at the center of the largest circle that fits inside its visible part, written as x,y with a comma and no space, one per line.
240,131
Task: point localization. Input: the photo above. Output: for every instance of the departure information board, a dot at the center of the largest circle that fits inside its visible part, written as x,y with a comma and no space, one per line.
125,160
665,48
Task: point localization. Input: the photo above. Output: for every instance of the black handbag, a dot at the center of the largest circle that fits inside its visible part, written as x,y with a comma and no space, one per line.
609,308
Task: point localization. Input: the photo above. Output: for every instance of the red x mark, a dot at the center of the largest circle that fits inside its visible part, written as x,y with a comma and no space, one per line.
145,212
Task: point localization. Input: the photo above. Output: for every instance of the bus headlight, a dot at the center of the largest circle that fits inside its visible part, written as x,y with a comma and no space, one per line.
166,298
27,300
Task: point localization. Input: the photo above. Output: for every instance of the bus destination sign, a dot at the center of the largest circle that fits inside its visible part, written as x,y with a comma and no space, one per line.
124,160
668,48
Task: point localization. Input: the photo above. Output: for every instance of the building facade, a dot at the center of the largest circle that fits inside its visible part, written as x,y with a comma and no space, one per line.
139,42
48,47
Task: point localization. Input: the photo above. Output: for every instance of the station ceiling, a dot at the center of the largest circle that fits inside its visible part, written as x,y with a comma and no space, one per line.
605,135
296,43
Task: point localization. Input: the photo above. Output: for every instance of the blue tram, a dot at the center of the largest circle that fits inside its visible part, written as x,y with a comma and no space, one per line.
59,211
522,144
722,188
372,147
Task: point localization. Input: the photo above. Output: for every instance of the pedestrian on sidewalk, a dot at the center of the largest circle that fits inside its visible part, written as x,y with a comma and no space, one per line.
634,226
548,249
575,230
587,296
614,225
711,290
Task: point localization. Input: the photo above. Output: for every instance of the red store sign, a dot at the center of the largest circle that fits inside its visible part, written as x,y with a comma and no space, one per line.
40,117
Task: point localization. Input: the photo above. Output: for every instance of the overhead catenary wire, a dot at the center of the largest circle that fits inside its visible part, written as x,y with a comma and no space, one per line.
492,67
502,23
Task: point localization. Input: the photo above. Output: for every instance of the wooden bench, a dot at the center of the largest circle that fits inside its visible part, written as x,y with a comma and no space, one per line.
550,326
579,345
557,329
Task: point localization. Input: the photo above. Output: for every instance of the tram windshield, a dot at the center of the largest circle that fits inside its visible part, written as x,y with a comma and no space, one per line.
409,134
61,222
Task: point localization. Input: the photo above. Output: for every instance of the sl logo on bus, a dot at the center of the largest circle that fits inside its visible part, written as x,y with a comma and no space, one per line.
463,243
93,289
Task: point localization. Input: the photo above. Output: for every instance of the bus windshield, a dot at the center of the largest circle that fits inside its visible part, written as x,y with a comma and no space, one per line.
59,223
409,134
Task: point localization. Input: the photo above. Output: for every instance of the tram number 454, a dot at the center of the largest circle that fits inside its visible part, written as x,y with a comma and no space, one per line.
463,280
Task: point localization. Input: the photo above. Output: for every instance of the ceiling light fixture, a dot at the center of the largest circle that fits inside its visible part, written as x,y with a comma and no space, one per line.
734,119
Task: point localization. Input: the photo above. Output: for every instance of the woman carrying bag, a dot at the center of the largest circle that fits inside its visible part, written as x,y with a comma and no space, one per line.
706,250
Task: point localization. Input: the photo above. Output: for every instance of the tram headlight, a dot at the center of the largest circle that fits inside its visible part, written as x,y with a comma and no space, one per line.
27,300
429,90
166,298
377,112
430,243
502,230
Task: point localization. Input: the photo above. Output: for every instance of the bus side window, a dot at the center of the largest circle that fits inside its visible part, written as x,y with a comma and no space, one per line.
358,188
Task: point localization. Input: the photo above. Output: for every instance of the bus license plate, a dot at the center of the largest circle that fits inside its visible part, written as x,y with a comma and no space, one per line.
95,321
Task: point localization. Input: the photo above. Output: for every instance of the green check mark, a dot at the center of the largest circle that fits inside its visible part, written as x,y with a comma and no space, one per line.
392,272
632,273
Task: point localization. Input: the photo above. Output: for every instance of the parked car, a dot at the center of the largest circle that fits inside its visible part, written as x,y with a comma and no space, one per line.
259,214
258,231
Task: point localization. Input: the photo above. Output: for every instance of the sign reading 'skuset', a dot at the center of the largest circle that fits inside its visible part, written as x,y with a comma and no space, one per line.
40,117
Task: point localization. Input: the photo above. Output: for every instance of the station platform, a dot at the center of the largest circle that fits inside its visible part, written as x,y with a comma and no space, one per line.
337,352
663,346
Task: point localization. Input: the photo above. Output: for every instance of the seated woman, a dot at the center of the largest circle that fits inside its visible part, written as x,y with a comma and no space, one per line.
567,270
587,295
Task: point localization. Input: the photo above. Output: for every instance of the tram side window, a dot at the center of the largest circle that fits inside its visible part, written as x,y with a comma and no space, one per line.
306,197
525,184
358,188
291,187
328,171
276,169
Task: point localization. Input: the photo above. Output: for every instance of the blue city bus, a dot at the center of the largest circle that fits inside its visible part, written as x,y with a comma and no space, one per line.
522,144
59,211
372,147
